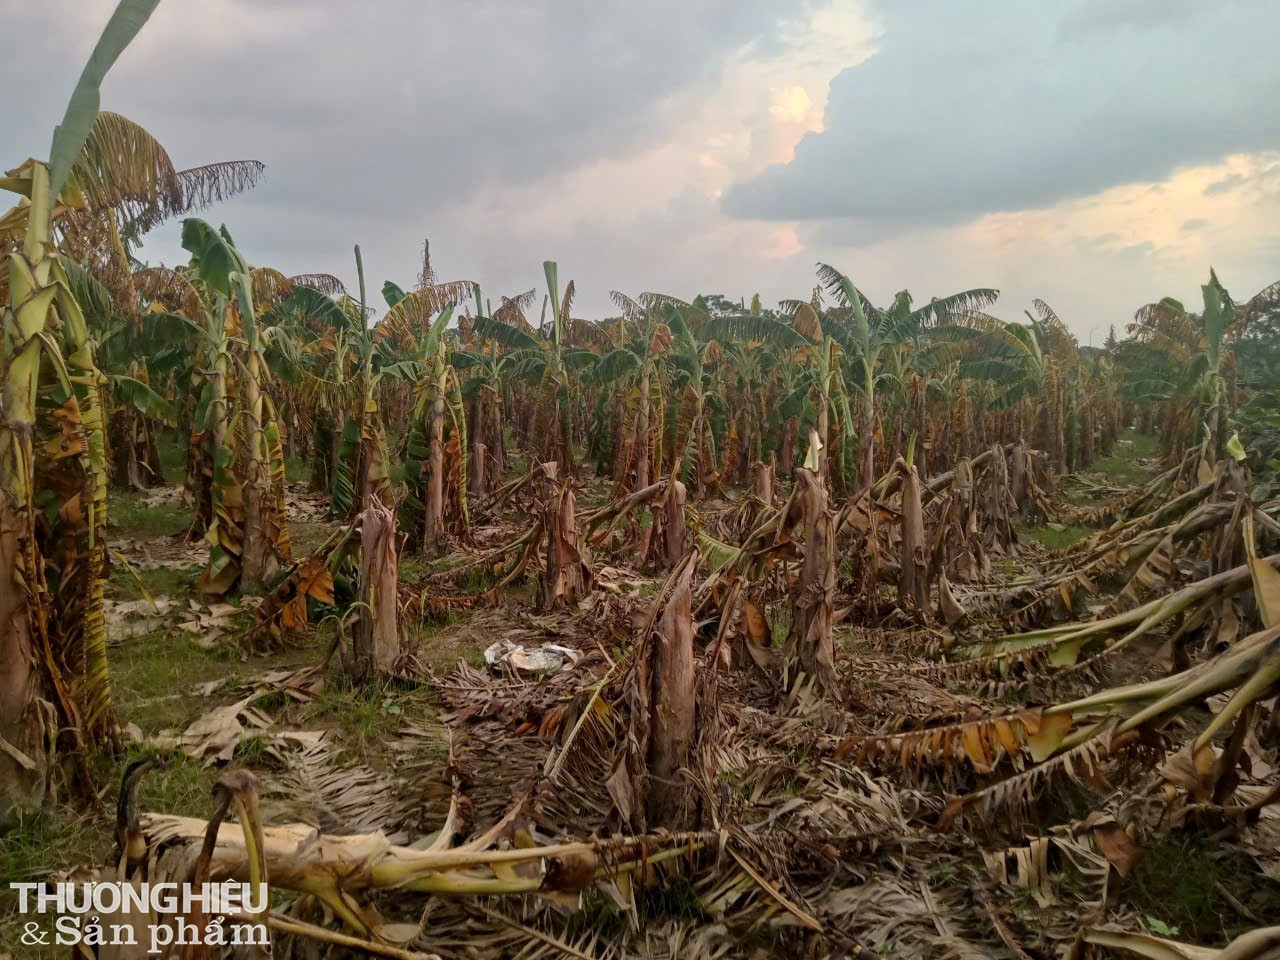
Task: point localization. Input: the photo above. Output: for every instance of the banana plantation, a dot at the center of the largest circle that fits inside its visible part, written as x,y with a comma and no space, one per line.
477,628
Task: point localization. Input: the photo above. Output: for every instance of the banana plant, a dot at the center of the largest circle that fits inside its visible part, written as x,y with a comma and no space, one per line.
1196,354
55,696
638,361
133,357
805,335
866,331
439,392
547,359
247,533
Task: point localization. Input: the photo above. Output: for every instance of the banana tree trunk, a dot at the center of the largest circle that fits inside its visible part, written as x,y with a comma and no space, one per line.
566,577
256,561
868,439
673,721
26,720
824,433
787,458
497,441
433,535
642,434
477,488
127,471
913,583
377,642
640,445
813,597
54,683
673,521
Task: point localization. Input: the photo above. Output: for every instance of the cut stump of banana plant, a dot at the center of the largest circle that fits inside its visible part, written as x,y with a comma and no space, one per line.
477,489
762,484
913,582
673,522
651,784
379,643
566,577
810,641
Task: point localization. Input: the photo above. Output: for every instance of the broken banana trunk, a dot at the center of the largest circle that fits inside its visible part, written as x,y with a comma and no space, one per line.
653,783
338,870
378,640
566,578
913,581
813,596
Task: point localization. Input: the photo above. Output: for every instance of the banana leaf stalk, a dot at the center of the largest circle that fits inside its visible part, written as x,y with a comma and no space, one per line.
1070,637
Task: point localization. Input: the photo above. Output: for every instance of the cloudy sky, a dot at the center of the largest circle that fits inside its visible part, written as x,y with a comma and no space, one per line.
1095,153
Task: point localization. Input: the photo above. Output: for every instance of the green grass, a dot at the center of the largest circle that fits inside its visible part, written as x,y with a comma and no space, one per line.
297,470
363,716
1122,467
1179,883
128,515
779,627
127,582
59,838
1056,536
153,674
676,898
51,839
307,536
180,786
172,447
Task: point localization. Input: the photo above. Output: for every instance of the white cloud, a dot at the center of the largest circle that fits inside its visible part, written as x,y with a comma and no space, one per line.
968,109
1098,155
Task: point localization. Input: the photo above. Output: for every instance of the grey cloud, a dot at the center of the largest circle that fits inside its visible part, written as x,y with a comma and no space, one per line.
1193,224
1103,16
383,116
1225,185
967,109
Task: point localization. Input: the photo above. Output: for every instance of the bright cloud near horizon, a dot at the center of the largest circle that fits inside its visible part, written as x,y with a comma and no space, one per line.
1097,154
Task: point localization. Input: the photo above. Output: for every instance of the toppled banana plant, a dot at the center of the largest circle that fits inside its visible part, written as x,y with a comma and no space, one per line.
1260,944
1078,736
287,610
342,872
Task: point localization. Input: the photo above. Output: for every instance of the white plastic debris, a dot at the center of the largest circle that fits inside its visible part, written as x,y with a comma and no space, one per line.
544,659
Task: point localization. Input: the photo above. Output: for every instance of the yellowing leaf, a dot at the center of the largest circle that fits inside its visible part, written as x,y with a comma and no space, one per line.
1266,579
1007,737
757,626
1053,730
975,747
1065,654
1266,590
